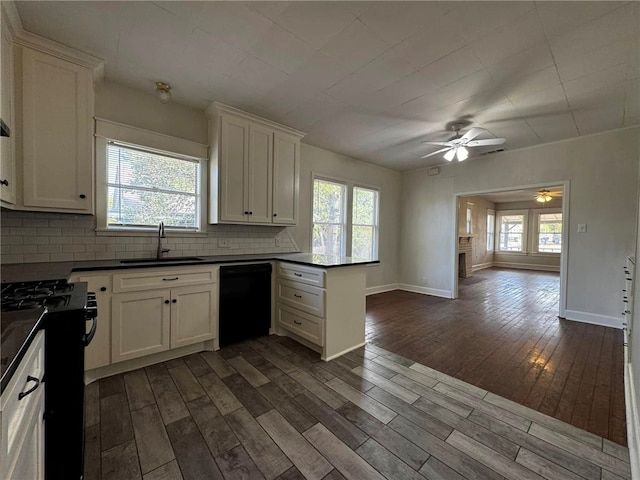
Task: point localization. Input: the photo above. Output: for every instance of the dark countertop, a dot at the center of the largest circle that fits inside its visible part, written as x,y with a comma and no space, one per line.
19,328
23,272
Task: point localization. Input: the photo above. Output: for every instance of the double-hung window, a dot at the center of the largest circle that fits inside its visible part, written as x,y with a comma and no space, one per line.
345,219
549,232
145,188
491,224
144,178
512,231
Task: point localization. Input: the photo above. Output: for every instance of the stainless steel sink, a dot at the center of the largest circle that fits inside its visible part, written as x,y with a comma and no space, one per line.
161,260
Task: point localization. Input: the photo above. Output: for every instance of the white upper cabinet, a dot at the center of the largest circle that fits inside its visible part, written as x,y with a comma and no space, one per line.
7,158
254,169
57,113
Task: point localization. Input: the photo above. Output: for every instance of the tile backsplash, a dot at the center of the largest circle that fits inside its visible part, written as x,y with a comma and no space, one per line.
28,237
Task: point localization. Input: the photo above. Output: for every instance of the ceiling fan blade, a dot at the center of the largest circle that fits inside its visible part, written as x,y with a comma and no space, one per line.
436,152
489,141
444,144
471,134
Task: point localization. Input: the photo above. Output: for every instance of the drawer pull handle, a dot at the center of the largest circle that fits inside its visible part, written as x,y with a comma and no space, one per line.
4,182
297,274
170,279
297,322
21,395
297,296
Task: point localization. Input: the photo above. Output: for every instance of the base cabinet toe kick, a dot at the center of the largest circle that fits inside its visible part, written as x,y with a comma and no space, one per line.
323,309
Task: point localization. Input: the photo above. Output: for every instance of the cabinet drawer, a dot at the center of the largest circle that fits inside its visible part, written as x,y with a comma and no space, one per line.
166,278
303,325
299,273
18,413
304,297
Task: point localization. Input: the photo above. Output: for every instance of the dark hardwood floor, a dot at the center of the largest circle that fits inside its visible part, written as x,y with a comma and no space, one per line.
503,335
271,409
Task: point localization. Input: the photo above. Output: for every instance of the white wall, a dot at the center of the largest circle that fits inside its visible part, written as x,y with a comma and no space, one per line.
143,110
323,162
602,170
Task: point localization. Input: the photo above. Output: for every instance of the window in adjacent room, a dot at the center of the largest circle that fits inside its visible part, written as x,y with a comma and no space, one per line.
549,232
512,227
491,225
469,218
345,219
145,187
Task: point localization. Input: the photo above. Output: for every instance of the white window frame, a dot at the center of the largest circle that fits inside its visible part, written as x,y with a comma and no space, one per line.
491,234
469,220
125,135
525,231
345,206
376,219
346,246
535,228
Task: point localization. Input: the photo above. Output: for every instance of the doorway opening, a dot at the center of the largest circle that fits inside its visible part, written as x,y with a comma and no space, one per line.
518,229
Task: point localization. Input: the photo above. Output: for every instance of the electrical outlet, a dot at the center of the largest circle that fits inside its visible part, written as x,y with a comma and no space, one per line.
224,243
277,242
582,228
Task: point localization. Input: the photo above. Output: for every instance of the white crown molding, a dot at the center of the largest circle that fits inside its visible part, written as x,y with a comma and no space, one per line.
217,108
27,39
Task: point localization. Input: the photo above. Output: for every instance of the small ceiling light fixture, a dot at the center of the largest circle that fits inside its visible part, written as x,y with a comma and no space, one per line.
462,154
449,155
163,91
543,196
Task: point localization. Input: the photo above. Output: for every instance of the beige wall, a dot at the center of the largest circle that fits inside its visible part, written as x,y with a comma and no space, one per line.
323,162
481,258
143,110
602,170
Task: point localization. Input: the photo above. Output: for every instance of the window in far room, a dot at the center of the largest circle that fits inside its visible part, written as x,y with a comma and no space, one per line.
491,225
512,226
364,231
549,232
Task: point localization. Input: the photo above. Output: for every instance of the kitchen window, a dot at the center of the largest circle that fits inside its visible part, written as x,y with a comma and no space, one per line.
512,231
144,178
345,219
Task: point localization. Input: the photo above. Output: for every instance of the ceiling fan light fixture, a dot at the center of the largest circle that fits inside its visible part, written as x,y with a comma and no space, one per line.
543,196
462,154
163,92
450,154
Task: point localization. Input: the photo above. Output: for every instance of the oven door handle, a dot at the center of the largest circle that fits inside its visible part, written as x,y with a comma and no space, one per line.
87,337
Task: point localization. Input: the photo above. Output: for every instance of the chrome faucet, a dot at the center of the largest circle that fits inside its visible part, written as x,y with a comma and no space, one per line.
161,235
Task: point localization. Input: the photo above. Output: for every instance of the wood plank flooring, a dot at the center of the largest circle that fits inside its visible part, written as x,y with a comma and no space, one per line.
503,335
271,409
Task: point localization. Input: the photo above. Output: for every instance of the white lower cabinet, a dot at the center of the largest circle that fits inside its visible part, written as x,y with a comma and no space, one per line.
140,324
153,321
22,405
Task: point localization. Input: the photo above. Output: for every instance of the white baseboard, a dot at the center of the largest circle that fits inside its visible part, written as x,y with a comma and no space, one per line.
382,288
585,317
482,266
425,290
528,266
631,400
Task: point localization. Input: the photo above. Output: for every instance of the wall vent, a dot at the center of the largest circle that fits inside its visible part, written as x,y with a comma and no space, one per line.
493,151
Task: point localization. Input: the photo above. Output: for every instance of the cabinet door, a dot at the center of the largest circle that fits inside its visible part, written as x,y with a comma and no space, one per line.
260,173
7,158
30,455
140,324
234,158
57,103
286,173
194,315
98,353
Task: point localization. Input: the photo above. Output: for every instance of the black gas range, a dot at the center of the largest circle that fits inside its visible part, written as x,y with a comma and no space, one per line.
62,309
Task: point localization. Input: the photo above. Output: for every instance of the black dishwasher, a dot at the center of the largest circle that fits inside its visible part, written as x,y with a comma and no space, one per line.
245,302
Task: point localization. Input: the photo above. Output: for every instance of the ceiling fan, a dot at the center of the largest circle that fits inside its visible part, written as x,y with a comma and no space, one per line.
544,196
457,146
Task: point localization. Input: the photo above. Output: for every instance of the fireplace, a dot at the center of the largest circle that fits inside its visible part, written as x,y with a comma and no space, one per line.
465,256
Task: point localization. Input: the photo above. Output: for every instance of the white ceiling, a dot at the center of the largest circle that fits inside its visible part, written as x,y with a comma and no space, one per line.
373,80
